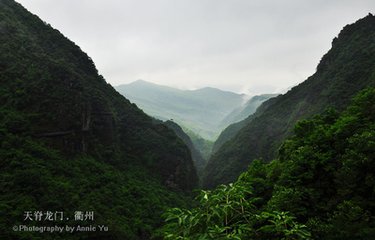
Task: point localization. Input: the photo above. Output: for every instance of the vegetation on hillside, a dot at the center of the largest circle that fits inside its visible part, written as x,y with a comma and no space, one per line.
347,68
70,142
204,146
246,109
124,197
321,186
199,161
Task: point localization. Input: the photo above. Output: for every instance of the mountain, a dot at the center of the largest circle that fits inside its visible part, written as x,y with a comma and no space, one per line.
237,119
200,110
347,68
320,186
70,142
197,157
246,109
204,146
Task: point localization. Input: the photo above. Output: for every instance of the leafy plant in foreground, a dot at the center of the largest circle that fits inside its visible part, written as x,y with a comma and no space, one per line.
228,212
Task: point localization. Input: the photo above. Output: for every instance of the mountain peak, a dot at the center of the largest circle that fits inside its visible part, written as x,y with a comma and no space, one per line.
140,82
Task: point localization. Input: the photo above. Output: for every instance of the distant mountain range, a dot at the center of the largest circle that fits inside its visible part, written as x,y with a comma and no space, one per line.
205,111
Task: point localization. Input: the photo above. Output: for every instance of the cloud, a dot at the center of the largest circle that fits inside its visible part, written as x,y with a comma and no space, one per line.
237,45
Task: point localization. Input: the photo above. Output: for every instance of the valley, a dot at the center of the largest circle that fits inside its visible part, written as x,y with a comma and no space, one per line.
155,162
206,111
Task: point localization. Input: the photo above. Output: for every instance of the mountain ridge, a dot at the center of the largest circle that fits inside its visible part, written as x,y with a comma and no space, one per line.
199,110
344,70
69,141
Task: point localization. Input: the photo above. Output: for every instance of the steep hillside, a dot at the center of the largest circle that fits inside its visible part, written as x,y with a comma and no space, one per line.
70,142
239,117
197,157
348,67
200,110
246,109
321,186
204,146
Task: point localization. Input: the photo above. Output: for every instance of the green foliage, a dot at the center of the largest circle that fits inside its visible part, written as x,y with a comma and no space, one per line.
199,161
280,225
346,69
228,212
237,119
34,177
69,141
58,95
321,186
329,171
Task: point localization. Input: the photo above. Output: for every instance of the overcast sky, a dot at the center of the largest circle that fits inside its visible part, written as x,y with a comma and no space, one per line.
251,46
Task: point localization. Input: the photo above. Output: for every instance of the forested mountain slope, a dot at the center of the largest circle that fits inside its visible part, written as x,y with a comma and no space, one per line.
348,67
70,142
320,186
246,109
238,119
197,157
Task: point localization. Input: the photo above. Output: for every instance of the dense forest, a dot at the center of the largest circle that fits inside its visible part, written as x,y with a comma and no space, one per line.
70,142
321,186
300,167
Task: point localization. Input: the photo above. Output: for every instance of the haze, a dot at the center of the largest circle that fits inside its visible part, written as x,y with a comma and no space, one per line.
239,45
